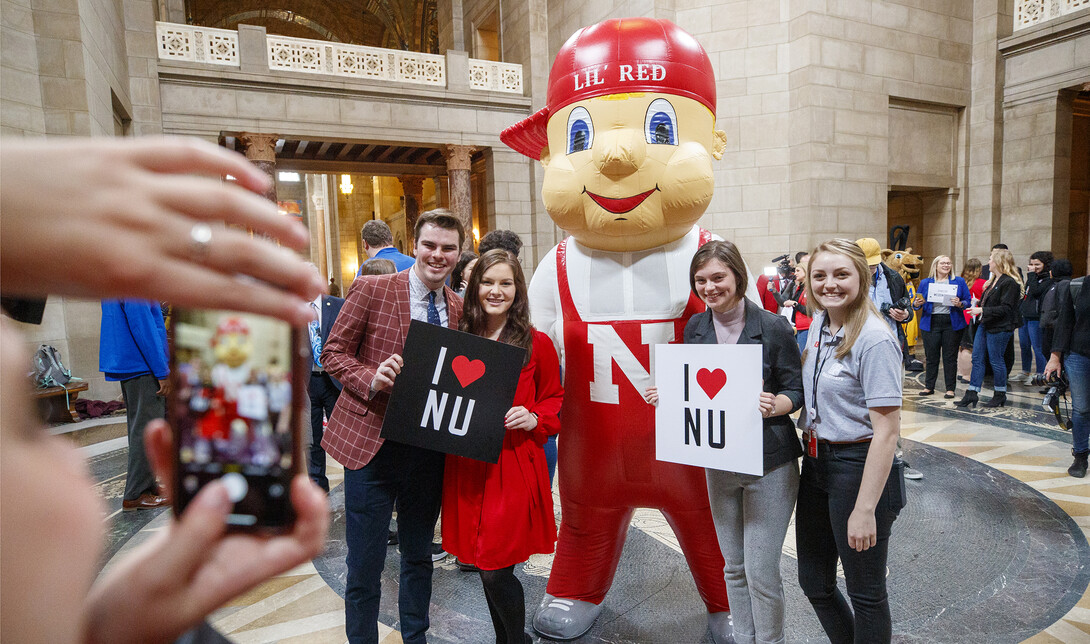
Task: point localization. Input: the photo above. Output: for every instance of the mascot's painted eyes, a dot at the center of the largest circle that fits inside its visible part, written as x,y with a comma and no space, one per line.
580,130
660,125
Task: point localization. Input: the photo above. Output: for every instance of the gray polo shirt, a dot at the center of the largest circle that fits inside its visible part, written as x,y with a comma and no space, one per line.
869,376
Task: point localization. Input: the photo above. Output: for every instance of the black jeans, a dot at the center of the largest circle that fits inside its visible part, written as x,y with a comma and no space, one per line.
827,495
942,340
413,477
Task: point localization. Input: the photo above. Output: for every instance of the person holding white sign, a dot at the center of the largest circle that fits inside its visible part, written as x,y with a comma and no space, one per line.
495,516
941,301
751,513
851,489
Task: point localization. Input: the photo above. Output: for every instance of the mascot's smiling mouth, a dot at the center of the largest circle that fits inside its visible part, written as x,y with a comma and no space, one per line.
619,206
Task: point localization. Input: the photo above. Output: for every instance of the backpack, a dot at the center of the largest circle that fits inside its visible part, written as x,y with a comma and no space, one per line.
49,371
1050,301
1050,304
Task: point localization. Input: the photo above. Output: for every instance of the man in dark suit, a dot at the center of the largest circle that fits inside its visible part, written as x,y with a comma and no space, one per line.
323,388
363,352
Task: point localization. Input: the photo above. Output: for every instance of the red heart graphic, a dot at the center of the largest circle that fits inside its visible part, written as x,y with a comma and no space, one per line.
711,381
468,370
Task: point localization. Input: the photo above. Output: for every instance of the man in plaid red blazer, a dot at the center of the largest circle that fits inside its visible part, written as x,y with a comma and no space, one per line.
363,352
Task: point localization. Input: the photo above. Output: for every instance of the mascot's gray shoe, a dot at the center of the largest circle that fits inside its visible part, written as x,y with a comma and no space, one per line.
722,628
564,619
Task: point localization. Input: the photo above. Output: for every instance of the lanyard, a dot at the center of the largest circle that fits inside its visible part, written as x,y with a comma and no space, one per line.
819,366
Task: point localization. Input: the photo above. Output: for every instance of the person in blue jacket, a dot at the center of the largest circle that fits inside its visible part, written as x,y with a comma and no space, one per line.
133,350
942,325
378,243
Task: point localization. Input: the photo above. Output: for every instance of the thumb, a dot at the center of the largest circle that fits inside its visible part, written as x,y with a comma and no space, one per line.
157,444
192,536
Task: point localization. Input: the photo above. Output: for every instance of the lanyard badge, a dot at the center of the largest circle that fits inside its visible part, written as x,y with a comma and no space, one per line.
810,434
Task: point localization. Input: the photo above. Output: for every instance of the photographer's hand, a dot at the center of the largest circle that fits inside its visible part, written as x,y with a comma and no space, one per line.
169,584
898,315
146,218
1054,368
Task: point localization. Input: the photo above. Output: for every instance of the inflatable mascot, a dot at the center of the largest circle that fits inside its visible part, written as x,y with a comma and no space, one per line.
626,140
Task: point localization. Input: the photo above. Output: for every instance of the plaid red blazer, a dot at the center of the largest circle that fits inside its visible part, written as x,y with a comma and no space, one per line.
370,328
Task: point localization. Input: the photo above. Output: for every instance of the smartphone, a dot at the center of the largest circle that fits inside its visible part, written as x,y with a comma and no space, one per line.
235,408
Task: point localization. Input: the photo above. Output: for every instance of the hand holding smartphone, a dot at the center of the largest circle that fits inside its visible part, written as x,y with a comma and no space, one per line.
235,412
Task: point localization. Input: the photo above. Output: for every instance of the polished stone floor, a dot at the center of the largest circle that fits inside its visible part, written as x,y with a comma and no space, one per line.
991,548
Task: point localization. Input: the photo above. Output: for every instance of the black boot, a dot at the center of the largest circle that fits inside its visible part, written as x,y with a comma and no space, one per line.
970,398
998,400
1078,467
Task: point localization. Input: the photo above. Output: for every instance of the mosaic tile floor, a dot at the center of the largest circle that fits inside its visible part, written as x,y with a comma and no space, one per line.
992,548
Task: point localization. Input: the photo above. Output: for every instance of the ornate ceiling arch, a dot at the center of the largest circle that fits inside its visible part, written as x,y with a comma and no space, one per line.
394,24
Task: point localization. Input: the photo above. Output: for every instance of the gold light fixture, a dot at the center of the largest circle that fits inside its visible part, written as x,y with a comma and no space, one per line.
346,184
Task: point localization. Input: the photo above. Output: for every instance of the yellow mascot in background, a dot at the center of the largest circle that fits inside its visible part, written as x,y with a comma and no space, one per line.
908,265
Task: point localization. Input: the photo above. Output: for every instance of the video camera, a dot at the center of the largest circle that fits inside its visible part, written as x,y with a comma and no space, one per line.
783,265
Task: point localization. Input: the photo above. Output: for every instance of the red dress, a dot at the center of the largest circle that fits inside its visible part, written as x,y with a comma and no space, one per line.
495,516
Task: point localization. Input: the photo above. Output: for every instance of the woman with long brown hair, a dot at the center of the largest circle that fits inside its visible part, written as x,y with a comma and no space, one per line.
998,317
495,516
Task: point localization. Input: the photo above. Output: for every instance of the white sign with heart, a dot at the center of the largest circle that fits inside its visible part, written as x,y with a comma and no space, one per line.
709,413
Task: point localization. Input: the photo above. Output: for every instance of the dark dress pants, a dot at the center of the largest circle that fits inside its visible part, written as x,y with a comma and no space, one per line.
143,404
827,493
323,396
413,478
941,341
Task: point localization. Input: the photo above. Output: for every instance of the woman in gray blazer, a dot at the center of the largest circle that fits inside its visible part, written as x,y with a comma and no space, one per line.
751,513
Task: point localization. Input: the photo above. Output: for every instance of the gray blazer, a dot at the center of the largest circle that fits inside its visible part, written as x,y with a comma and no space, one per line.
782,372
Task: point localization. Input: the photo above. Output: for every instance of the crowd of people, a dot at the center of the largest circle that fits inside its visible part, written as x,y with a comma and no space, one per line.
838,312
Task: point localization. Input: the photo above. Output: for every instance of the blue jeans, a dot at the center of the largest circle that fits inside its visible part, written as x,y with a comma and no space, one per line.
550,458
800,338
1077,368
1029,342
413,477
989,348
827,493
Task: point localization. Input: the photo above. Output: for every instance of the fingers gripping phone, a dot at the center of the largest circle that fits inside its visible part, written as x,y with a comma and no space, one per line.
235,410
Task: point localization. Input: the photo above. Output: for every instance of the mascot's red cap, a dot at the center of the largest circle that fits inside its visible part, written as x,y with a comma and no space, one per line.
228,326
615,57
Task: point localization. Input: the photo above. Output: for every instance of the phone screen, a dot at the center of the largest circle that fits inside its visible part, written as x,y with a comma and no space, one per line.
235,410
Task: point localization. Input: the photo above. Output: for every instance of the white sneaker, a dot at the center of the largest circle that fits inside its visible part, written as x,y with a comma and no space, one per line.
912,475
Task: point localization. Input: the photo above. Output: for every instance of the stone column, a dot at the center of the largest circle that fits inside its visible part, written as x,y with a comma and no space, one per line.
413,187
260,149
461,193
442,192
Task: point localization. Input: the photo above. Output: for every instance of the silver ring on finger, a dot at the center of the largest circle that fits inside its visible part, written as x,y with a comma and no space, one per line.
200,238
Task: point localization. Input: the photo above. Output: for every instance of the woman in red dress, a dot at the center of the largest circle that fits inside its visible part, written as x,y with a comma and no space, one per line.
495,516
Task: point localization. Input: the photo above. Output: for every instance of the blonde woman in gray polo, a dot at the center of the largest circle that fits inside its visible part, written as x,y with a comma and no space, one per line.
751,513
851,489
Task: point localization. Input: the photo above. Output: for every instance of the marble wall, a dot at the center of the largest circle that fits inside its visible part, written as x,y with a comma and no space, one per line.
804,94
